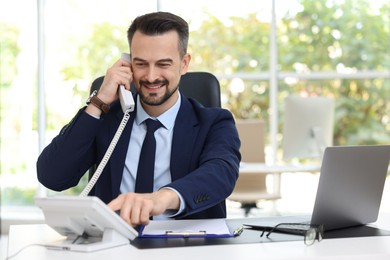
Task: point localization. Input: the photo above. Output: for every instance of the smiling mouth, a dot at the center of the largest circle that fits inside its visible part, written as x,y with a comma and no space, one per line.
154,85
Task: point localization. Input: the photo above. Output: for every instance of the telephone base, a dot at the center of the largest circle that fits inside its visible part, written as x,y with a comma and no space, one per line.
109,239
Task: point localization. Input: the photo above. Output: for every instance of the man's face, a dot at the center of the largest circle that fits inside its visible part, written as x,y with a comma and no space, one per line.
157,67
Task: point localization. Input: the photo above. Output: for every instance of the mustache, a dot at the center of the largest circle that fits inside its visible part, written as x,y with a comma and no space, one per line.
156,82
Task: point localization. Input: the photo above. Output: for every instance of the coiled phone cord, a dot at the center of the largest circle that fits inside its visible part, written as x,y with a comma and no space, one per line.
107,155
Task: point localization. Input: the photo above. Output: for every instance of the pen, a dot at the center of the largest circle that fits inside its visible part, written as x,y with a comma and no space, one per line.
238,231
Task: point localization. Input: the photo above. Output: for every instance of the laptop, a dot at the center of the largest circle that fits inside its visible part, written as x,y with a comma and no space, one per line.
350,186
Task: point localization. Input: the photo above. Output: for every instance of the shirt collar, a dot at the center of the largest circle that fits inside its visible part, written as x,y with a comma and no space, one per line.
167,119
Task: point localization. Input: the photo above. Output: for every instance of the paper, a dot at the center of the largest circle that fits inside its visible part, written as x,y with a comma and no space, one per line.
187,228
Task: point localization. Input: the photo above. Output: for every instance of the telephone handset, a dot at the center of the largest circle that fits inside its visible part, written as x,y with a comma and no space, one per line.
125,96
126,99
127,104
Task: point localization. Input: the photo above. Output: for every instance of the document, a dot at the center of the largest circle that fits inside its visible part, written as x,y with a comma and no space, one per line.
186,228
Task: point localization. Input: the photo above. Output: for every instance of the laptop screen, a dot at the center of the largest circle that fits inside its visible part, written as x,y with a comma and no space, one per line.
351,185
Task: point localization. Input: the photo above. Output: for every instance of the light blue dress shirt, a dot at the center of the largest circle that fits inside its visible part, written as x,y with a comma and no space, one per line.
163,135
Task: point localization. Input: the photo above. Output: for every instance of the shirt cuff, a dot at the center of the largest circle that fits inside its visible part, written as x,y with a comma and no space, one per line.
97,117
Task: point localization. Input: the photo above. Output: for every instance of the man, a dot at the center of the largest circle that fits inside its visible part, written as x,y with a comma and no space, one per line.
197,152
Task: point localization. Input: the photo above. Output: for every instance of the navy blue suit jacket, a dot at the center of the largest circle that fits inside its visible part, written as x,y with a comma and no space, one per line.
204,158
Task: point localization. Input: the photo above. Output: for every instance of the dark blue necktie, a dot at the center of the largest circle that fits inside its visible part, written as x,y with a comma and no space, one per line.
145,172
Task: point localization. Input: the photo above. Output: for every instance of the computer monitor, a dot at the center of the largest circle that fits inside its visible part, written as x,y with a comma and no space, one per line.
308,126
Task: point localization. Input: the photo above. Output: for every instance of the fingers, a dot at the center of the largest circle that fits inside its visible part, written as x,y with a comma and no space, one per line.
135,209
140,211
123,68
118,74
115,204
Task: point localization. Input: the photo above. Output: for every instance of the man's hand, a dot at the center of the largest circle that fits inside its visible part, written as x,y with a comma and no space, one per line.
119,74
136,208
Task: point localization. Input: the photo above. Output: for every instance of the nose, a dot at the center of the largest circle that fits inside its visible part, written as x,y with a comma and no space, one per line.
152,74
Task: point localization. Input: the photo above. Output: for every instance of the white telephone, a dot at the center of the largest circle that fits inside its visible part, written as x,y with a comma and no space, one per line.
125,96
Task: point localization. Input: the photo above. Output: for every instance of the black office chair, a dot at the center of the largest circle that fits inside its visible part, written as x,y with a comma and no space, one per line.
201,86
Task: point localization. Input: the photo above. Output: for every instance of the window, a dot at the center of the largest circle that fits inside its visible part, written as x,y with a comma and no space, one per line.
324,47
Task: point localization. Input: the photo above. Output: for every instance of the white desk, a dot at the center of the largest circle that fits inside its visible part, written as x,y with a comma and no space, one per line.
277,168
373,248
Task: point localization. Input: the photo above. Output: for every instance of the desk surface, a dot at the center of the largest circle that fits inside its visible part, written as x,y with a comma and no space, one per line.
278,168
373,248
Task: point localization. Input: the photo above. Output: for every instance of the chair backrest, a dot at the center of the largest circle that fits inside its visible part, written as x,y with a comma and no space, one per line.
251,187
201,86
251,132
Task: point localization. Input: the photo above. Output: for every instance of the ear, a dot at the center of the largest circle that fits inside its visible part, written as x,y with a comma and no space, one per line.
185,62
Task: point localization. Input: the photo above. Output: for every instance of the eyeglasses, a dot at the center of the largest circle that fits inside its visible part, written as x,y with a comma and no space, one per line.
309,232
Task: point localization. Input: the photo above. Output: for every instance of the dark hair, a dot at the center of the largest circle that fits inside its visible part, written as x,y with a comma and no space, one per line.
158,23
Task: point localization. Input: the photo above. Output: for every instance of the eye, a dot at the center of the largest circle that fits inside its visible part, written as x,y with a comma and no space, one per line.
140,64
164,65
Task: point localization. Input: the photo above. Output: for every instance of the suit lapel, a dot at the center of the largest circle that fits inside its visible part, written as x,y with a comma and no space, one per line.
185,132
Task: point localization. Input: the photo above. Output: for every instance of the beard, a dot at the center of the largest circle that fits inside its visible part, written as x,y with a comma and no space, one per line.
152,99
